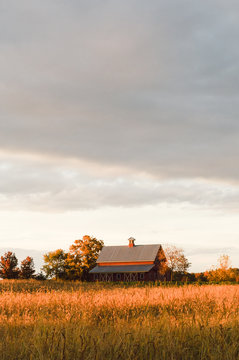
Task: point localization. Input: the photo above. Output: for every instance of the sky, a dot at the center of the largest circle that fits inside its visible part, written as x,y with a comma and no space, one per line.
119,119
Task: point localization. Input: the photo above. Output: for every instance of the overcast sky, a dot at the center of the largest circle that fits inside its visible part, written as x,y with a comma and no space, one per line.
119,119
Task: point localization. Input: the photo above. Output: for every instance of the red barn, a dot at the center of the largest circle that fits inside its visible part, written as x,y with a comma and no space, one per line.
131,263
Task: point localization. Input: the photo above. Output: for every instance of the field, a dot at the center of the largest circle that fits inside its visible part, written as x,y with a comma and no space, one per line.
51,320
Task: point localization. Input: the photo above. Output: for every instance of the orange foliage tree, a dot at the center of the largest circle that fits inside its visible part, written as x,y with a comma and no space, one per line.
82,257
223,272
8,266
75,264
27,268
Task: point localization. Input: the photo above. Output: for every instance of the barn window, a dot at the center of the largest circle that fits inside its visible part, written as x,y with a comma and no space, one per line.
118,277
141,276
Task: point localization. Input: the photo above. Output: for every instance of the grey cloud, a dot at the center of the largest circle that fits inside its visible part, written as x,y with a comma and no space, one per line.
152,87
57,187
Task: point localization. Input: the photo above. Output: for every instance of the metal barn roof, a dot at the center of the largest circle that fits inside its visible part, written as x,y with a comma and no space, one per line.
121,269
128,254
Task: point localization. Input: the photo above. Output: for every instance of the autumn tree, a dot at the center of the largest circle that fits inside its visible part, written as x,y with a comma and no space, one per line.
223,271
76,263
224,262
55,264
176,260
27,268
82,257
8,266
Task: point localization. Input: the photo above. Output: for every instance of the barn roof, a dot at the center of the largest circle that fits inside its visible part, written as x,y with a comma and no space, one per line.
128,254
121,269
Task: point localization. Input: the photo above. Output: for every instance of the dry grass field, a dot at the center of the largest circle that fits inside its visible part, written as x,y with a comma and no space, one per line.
50,320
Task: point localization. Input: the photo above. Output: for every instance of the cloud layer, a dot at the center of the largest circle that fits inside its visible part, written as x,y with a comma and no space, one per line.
43,185
147,91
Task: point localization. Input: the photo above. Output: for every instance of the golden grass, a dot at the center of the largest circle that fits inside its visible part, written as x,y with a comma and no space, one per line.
53,320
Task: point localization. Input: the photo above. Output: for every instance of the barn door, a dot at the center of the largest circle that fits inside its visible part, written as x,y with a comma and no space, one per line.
126,277
106,277
133,277
109,277
102,277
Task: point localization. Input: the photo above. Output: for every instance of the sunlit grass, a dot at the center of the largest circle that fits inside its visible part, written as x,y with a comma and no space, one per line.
50,320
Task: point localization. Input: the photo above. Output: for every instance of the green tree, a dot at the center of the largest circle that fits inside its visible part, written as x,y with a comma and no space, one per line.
27,268
82,257
55,264
8,266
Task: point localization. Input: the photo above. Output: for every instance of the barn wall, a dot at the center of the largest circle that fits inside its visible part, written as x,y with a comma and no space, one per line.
119,277
159,272
152,275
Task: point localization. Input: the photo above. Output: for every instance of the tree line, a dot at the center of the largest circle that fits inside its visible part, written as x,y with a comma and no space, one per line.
9,267
81,257
222,272
74,264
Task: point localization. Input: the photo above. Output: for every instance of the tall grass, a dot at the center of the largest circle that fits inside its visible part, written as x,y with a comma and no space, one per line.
51,320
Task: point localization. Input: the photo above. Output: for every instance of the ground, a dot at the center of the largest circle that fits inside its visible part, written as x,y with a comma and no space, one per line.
64,320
